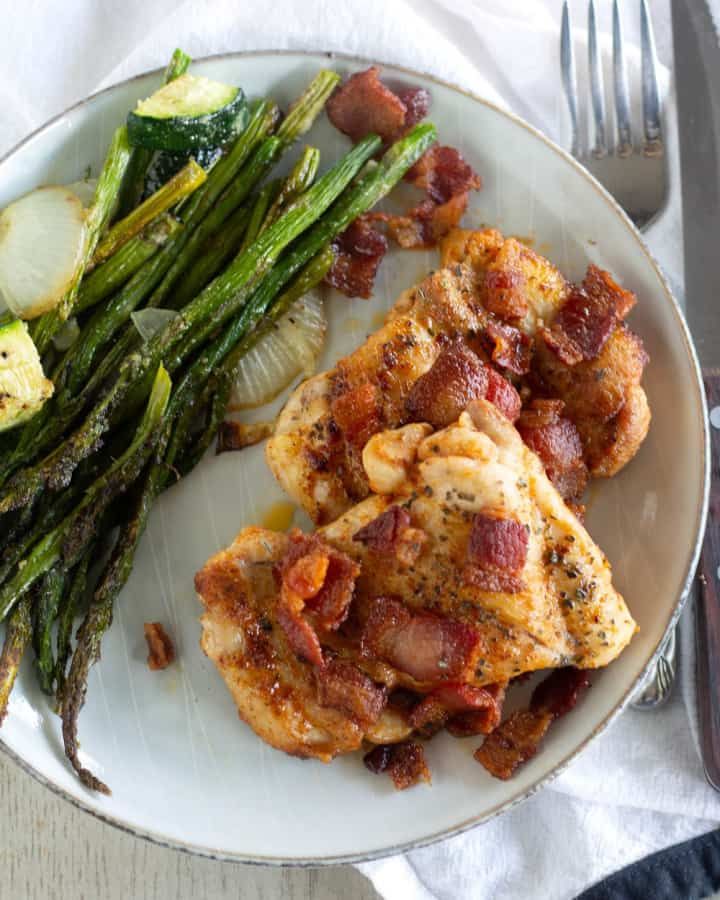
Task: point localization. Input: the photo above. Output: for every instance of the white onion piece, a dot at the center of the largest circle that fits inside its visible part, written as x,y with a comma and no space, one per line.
42,237
84,190
291,348
151,320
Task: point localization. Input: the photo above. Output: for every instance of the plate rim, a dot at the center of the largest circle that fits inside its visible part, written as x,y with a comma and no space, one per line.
692,560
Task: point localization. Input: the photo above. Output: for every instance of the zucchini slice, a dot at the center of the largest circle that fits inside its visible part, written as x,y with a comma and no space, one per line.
23,385
188,113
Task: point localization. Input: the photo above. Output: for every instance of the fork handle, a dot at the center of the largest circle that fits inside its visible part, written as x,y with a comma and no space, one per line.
708,602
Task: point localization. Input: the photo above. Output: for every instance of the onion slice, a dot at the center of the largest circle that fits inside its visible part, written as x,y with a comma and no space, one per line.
42,238
291,347
150,320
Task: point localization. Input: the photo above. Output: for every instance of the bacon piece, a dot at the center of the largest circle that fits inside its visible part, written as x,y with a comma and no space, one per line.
503,395
161,651
443,173
451,701
358,253
557,442
426,646
456,377
363,105
317,577
301,636
496,543
357,412
513,742
425,224
517,739
482,719
588,317
341,685
331,604
417,104
391,533
503,293
404,763
560,691
384,532
509,347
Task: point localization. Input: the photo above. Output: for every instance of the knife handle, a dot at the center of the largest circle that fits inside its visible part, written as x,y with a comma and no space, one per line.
708,601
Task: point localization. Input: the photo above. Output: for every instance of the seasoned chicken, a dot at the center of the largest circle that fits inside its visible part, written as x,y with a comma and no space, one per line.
600,390
498,319
463,569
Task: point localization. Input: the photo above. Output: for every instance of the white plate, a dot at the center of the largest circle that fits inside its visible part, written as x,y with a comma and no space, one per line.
184,770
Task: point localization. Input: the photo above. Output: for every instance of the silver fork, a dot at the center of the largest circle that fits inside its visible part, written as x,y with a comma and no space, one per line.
634,170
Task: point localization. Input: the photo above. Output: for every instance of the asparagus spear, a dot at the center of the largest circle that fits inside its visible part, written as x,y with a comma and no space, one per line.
79,360
216,394
299,180
99,616
298,121
47,602
45,327
103,281
17,637
68,540
259,211
181,185
140,158
66,617
212,258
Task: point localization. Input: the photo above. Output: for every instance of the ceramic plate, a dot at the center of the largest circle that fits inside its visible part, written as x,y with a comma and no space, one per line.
183,769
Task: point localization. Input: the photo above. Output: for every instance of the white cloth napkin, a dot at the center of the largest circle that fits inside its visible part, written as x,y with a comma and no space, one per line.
639,787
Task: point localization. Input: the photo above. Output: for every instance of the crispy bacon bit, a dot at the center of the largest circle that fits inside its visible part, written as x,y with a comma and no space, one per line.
557,442
508,347
456,700
588,317
317,577
517,739
363,105
559,692
426,646
341,685
391,533
482,719
301,636
425,224
503,293
443,173
417,104
383,533
456,377
503,395
513,742
161,651
306,576
404,763
358,253
497,544
357,413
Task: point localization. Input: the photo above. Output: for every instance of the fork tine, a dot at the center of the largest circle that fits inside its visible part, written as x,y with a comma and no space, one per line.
597,90
622,96
569,77
650,94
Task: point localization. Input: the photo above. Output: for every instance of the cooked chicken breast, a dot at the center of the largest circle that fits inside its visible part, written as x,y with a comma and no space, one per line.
463,569
514,311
